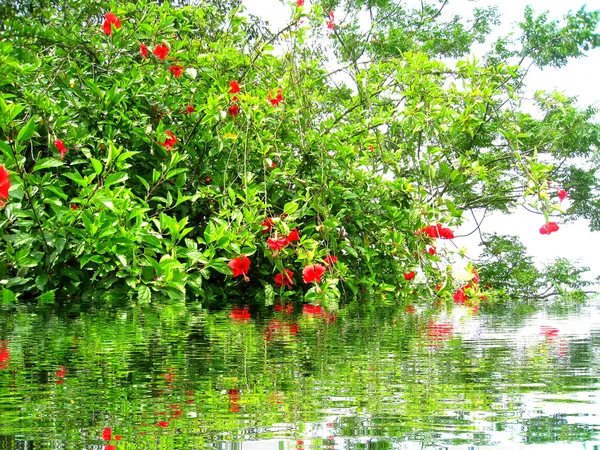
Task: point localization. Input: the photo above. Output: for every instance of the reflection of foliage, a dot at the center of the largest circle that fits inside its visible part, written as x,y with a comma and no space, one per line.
378,376
505,255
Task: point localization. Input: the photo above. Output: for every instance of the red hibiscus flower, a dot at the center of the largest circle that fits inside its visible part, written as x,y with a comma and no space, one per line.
240,266
176,70
330,260
410,309
284,279
268,224
4,355
60,146
208,180
190,109
277,100
169,142
550,227
409,275
459,296
234,87
562,194
438,231
293,236
313,272
277,244
239,314
272,165
432,250
330,25
111,19
312,310
299,3
143,51
233,110
4,185
107,434
161,51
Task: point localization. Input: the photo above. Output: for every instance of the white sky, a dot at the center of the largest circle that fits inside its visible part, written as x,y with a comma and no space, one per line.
579,78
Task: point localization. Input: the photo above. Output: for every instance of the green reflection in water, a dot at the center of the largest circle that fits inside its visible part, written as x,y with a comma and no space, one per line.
187,379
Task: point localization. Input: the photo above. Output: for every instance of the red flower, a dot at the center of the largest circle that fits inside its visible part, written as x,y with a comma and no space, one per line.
330,260
550,227
234,87
432,250
111,19
4,185
161,51
459,296
272,165
176,70
240,314
330,25
562,194
475,278
438,231
277,100
410,309
284,279
240,266
62,372
299,3
190,109
233,110
143,51
409,275
268,223
60,146
287,308
110,447
293,236
312,310
169,142
107,434
162,424
277,244
4,355
208,180
313,272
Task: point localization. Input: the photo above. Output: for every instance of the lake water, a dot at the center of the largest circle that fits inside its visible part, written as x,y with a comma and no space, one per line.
176,377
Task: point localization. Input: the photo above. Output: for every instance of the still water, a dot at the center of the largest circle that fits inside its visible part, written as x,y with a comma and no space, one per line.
176,377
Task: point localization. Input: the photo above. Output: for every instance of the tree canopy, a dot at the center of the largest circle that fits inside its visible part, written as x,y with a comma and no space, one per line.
156,150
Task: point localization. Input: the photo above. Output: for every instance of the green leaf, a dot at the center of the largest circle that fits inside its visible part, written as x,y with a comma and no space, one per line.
220,265
47,163
290,208
8,296
27,131
97,165
144,294
115,178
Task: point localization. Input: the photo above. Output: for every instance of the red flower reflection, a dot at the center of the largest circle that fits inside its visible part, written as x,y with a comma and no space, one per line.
409,275
176,70
284,279
60,146
234,87
438,231
161,51
60,374
4,355
240,266
234,398
4,185
286,308
549,332
169,142
143,51
440,331
110,19
330,260
239,314
313,272
277,100
162,424
550,227
312,310
410,309
279,329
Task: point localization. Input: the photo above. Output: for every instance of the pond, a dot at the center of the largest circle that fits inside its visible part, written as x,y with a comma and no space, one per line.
177,377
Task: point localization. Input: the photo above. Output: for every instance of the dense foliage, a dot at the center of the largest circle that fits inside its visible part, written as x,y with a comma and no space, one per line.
154,150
